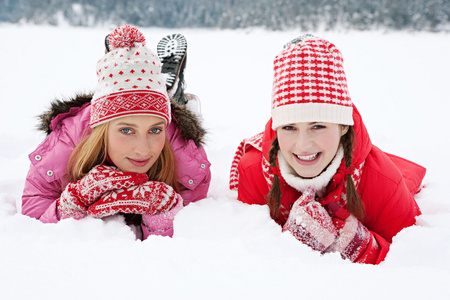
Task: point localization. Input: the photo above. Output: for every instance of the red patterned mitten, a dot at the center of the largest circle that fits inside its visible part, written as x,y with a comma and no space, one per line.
78,196
310,223
355,242
151,197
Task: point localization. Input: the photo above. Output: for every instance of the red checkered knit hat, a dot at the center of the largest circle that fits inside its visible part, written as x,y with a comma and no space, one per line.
129,80
310,85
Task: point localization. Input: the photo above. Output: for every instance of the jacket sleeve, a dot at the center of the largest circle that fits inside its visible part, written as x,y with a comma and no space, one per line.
388,203
376,251
193,171
252,187
397,212
40,196
46,178
388,200
192,166
372,249
364,246
413,173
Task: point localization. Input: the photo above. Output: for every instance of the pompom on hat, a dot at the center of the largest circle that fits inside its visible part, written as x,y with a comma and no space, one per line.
129,80
309,84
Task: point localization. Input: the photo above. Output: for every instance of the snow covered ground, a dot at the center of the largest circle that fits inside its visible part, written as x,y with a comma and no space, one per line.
223,249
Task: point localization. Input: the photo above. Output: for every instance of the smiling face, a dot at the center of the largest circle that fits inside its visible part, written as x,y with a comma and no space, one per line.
309,147
134,143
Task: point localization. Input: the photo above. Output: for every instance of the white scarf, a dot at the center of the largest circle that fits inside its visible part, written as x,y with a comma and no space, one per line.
319,182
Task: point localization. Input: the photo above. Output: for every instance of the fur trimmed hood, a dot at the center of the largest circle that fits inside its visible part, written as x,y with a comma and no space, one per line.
188,122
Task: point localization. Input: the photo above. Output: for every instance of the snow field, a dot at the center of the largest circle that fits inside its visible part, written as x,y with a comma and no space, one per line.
222,248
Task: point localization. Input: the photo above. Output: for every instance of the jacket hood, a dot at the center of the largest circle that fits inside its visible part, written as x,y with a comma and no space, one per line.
58,107
188,122
362,144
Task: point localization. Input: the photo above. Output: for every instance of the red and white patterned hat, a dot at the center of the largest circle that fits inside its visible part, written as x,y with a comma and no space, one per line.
310,84
129,80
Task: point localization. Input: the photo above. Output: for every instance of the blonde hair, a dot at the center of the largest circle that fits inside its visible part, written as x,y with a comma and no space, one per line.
92,151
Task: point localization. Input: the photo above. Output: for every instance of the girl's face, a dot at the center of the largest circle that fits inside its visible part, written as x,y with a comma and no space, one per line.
309,147
134,143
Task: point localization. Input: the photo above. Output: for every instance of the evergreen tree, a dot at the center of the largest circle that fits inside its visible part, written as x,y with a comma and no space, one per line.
305,15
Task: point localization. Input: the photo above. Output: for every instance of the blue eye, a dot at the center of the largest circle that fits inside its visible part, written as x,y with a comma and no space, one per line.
125,130
319,126
155,130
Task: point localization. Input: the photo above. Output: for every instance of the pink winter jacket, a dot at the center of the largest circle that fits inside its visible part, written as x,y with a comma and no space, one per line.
47,179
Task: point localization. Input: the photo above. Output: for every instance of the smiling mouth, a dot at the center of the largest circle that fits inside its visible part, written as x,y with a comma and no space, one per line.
308,157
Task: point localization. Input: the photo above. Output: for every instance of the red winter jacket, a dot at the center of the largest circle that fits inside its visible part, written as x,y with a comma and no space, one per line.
386,186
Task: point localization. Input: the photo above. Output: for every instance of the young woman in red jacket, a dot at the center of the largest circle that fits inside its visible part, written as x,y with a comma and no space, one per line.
315,166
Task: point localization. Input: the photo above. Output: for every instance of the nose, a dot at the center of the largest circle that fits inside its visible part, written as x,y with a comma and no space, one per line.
142,146
303,141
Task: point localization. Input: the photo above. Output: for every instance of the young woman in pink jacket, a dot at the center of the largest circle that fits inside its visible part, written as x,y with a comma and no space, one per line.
315,166
127,149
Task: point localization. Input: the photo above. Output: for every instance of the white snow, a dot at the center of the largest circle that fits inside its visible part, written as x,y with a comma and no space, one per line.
223,249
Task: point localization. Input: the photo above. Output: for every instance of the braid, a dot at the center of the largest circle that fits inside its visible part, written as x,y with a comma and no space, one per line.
354,203
274,196
347,143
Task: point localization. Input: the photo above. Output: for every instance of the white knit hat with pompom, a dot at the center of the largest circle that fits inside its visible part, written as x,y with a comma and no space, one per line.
129,80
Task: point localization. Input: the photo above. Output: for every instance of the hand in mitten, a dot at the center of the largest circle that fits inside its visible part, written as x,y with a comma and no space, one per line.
355,242
78,196
151,197
162,222
309,222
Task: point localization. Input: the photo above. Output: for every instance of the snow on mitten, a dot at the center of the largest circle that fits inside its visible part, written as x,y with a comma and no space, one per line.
151,197
355,242
309,222
78,196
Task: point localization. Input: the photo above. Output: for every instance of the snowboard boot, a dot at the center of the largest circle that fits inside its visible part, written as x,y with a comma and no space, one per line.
298,40
171,52
107,43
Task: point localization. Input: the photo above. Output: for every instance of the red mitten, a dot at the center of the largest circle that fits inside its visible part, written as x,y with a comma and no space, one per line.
355,242
78,196
151,197
309,222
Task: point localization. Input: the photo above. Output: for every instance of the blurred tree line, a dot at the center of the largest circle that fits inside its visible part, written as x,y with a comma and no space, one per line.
429,15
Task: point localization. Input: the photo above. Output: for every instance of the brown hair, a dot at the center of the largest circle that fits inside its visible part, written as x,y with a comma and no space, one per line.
354,203
92,151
